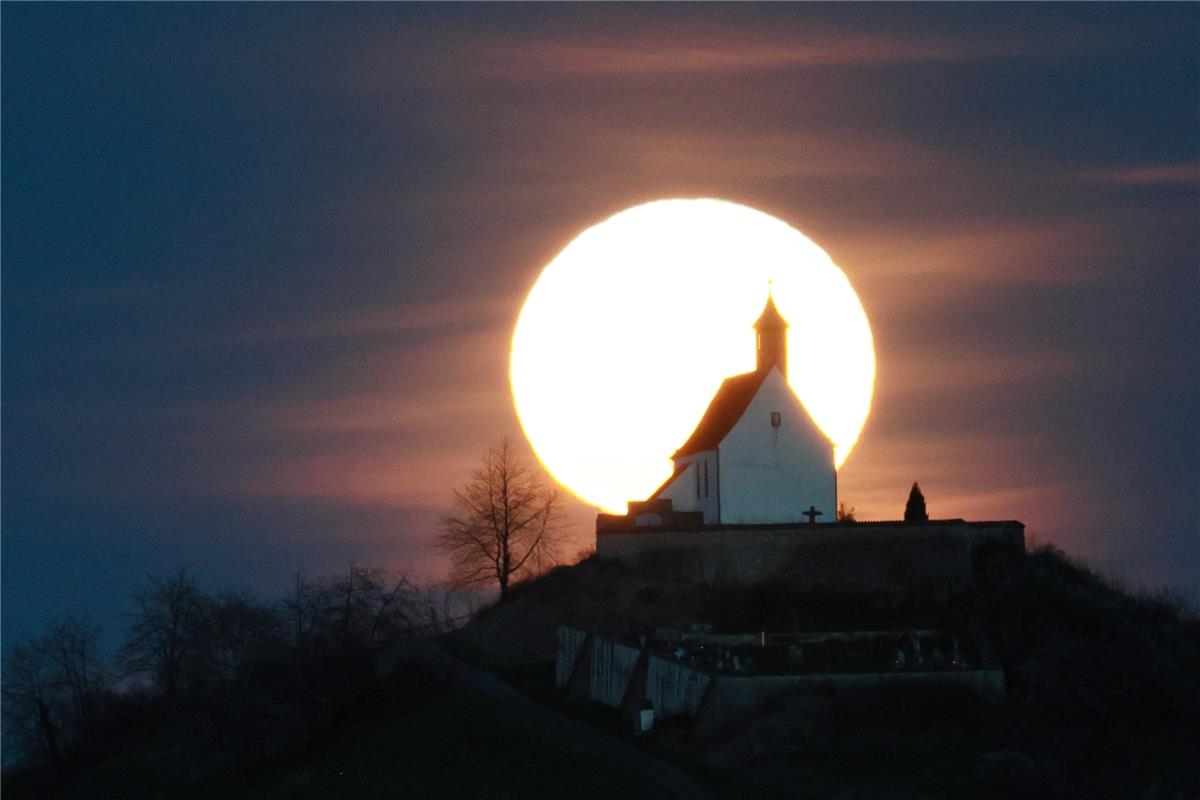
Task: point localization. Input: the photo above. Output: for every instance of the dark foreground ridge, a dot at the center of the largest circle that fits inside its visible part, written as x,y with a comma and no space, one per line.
1103,696
674,781
1103,688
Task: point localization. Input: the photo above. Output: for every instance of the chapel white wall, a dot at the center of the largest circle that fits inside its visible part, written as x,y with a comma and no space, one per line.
688,491
771,475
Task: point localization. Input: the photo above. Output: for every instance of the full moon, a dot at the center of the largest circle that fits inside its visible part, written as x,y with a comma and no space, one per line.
629,331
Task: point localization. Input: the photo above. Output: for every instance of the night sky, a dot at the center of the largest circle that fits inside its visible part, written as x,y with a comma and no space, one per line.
261,263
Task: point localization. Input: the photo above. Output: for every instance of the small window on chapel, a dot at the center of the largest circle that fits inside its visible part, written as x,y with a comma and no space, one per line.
776,419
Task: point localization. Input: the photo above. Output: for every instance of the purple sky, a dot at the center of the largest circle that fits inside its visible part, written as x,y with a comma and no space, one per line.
261,264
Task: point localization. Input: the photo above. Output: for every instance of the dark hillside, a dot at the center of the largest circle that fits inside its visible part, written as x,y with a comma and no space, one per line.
1105,685
594,594
1103,701
1104,691
457,744
416,733
608,597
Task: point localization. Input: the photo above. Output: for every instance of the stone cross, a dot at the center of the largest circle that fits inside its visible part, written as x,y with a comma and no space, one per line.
812,515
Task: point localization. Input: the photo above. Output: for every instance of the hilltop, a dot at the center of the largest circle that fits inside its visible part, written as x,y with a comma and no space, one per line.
1104,697
1104,689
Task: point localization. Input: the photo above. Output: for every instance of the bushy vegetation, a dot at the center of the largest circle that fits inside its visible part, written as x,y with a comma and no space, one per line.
226,695
204,685
1104,700
1103,687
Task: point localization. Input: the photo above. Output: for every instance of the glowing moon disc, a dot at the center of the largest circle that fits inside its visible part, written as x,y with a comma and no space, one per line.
629,331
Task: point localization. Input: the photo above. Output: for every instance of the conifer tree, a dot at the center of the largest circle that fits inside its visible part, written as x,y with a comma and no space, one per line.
914,510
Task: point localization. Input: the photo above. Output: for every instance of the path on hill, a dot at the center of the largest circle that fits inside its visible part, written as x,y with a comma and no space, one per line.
666,775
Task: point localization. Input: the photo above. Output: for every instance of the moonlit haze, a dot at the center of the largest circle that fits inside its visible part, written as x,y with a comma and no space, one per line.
629,331
275,276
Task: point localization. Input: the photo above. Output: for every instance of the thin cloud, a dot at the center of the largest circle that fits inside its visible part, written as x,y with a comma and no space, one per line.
748,155
557,49
913,372
524,59
382,412
663,48
435,315
1153,175
1059,252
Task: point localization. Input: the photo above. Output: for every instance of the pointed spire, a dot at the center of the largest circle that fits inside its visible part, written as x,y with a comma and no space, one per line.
771,330
770,319
914,509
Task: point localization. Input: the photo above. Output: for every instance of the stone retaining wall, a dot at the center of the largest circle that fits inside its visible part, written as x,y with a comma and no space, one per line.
594,668
949,555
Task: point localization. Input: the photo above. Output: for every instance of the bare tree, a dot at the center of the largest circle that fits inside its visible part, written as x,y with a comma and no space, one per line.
75,646
304,609
399,611
351,601
508,523
50,685
230,631
163,631
33,711
360,607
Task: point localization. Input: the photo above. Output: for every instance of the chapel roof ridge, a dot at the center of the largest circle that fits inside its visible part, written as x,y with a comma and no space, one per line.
723,412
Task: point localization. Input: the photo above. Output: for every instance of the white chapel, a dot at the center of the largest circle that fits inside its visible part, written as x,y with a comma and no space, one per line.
756,456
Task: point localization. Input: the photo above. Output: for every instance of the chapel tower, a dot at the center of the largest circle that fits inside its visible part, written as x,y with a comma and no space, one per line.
756,456
772,339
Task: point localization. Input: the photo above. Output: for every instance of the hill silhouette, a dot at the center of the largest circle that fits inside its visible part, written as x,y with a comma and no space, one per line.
1104,696
1104,687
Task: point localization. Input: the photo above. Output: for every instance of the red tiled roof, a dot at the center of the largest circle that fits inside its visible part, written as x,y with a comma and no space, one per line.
723,412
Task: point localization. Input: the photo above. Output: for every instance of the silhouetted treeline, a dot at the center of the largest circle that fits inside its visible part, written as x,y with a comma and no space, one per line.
1103,702
206,683
213,690
1104,684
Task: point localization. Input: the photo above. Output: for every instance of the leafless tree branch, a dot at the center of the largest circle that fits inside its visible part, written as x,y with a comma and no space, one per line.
507,523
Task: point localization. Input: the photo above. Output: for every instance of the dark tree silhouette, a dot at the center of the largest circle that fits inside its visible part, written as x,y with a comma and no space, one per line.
50,687
305,610
358,608
508,523
164,631
914,510
231,631
845,513
33,708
